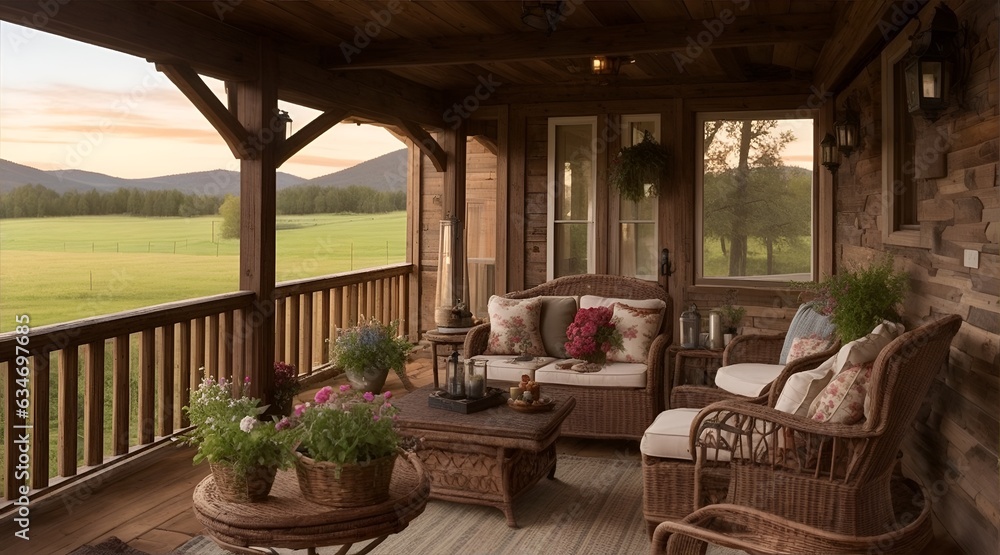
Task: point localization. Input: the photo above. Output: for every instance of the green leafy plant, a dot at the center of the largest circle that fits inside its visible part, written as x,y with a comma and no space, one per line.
857,300
345,426
732,315
227,429
636,170
371,344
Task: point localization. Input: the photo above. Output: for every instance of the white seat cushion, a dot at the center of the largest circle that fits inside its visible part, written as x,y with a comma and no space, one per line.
669,435
614,374
748,378
502,368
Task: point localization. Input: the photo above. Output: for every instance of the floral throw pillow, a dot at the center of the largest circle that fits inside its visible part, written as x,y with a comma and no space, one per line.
638,326
514,327
843,400
808,345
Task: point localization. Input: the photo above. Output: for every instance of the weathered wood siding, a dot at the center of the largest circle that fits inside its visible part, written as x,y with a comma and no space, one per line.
954,446
481,171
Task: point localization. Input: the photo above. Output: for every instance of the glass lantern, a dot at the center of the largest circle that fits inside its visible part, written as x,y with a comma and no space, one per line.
690,328
454,382
475,379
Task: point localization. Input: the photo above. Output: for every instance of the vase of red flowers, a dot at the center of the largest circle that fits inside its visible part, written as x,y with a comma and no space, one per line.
591,336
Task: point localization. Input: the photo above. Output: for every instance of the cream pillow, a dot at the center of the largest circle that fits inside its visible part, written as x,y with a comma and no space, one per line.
842,402
638,326
514,327
802,388
593,301
867,348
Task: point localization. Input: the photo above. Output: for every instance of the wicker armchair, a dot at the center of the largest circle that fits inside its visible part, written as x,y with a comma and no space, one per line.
789,474
753,349
603,412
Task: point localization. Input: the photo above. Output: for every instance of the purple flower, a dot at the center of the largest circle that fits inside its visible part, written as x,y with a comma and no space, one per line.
375,417
345,388
299,409
369,396
323,395
284,423
387,395
246,380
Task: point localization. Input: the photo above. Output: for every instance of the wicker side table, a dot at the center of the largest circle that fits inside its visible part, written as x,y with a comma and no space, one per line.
288,520
456,340
691,367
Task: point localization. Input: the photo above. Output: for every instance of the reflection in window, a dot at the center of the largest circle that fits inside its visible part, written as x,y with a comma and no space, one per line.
756,197
637,220
571,177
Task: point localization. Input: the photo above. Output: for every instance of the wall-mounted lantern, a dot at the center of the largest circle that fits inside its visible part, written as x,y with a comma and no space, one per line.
847,129
829,156
928,74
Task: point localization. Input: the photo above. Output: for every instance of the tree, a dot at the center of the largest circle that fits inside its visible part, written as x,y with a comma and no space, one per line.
230,211
745,191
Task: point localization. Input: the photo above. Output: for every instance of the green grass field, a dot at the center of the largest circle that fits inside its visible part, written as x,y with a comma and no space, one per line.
61,269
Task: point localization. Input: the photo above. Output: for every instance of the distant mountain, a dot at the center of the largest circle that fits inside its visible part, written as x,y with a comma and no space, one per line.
385,173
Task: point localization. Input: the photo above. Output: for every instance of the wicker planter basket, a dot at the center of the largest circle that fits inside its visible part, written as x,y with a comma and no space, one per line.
358,484
243,487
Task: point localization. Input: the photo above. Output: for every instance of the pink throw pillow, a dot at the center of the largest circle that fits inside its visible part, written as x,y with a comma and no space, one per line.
843,400
808,345
638,326
514,327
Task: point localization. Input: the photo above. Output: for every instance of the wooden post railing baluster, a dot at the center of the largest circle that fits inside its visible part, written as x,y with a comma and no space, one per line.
166,380
213,347
306,357
147,389
69,395
292,356
185,377
93,404
40,420
120,387
280,329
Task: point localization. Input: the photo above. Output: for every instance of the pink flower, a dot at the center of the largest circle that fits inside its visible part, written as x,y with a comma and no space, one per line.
246,380
387,395
284,423
300,409
369,396
375,417
323,395
345,388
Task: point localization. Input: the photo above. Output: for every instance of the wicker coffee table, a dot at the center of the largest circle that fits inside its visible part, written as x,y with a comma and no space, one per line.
288,520
484,458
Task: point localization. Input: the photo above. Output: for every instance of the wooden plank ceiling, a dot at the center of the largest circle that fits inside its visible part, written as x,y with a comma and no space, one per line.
418,55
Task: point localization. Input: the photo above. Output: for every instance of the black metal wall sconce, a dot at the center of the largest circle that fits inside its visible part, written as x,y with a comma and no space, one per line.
829,156
935,64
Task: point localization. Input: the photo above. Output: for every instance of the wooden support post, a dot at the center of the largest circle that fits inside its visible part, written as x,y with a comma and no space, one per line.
257,112
453,200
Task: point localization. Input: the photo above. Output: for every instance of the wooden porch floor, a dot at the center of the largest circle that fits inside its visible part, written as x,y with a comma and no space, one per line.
151,508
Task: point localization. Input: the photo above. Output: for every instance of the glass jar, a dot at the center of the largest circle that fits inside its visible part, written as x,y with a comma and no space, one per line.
475,379
454,379
690,327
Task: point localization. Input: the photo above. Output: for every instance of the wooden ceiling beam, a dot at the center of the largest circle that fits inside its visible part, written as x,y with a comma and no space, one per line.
228,126
863,28
423,140
310,132
375,94
568,43
158,30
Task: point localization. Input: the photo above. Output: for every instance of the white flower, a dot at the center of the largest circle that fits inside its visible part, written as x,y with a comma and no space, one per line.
248,423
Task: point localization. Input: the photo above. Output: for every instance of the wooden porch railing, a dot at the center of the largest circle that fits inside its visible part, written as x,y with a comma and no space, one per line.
127,375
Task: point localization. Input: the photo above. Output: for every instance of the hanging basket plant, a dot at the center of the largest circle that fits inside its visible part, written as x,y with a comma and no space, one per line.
638,170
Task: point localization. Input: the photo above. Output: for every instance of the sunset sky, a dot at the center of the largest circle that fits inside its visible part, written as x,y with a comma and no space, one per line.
69,105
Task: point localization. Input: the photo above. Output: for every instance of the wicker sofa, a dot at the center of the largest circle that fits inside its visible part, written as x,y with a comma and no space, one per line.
604,408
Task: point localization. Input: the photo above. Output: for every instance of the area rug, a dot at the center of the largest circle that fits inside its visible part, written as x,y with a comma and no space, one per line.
110,546
593,506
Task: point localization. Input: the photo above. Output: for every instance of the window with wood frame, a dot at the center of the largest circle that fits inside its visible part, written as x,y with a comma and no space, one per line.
899,188
755,213
637,221
572,186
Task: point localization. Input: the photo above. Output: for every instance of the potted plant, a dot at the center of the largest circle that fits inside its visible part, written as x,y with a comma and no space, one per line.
348,444
368,351
859,299
243,452
286,385
636,171
732,315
